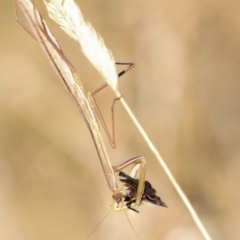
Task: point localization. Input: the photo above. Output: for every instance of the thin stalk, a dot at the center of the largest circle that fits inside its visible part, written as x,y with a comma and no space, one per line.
67,14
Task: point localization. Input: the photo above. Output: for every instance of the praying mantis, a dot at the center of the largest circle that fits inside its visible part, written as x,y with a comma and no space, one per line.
133,191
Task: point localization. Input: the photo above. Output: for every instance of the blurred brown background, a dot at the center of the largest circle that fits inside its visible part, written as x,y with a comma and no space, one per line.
184,90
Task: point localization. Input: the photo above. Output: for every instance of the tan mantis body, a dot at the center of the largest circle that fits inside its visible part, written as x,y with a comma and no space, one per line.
86,104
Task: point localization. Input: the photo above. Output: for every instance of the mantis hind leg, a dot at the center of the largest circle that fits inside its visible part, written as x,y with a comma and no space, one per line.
111,136
21,23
